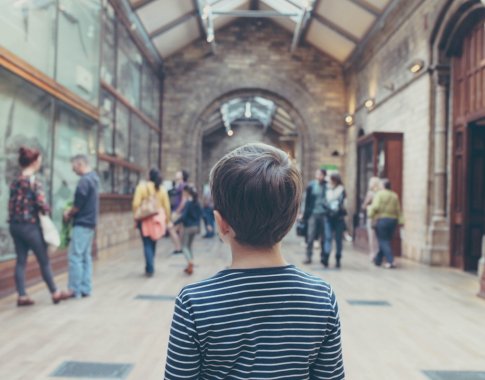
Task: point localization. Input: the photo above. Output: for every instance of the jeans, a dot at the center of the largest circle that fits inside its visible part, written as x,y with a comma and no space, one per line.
334,227
80,260
27,236
315,227
208,217
188,238
385,228
149,248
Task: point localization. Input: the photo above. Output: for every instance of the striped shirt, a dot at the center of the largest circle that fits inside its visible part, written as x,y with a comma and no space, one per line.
267,323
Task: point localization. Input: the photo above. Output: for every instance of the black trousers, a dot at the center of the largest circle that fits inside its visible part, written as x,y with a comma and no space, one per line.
26,237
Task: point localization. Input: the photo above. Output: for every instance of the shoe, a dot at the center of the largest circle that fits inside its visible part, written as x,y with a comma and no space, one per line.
25,302
389,266
149,275
84,295
58,298
67,295
176,252
338,264
307,261
324,262
190,269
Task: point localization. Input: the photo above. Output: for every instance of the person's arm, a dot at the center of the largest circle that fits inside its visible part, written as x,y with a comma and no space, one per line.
40,200
185,213
374,206
367,200
329,363
308,207
183,354
165,202
137,198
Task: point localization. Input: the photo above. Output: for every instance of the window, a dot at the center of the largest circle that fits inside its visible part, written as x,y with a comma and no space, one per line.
78,48
129,67
25,119
122,131
108,64
150,94
74,134
107,123
27,29
140,138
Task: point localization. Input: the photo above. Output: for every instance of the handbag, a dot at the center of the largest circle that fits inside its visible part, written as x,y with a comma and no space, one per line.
49,231
149,206
154,226
301,227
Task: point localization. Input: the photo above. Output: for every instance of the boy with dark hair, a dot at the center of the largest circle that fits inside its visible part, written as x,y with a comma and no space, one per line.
261,318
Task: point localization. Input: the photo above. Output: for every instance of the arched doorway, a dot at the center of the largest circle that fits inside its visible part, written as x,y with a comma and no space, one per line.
248,116
462,81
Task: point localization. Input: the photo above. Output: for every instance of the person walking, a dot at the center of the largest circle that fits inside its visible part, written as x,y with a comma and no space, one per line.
208,212
385,212
144,190
176,232
27,200
315,212
334,222
190,218
84,215
374,186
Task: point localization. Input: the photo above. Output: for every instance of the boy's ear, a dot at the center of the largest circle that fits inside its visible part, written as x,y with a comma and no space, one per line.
223,227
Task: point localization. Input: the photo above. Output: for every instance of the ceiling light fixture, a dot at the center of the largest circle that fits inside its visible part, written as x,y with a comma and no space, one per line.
369,104
210,37
349,119
230,132
416,66
247,111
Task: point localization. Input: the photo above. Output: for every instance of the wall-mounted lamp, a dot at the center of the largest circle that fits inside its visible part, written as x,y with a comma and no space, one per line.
349,119
210,37
369,104
230,132
416,66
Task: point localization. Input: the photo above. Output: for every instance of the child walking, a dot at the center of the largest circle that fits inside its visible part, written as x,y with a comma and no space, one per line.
191,217
261,318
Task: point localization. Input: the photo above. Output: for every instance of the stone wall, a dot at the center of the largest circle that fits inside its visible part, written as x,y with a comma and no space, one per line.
252,55
404,103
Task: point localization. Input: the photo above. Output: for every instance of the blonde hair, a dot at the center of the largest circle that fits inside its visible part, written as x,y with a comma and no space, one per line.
375,183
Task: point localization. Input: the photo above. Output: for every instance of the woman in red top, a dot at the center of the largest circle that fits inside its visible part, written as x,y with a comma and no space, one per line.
27,200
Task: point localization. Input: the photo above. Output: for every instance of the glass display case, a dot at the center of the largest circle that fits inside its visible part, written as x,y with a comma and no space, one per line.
379,155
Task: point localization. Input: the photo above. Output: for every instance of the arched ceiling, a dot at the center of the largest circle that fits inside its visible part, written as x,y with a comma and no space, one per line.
336,27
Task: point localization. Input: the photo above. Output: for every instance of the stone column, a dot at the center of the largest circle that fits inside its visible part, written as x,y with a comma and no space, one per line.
481,270
438,238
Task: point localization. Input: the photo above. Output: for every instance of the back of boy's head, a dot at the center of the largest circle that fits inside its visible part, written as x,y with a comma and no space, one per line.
257,190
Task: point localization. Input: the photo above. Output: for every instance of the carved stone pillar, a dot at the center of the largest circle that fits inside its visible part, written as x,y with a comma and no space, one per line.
438,238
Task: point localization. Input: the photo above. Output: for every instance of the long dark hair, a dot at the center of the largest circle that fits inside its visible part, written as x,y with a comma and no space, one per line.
155,177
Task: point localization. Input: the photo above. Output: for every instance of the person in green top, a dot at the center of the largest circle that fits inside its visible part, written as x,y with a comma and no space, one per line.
385,213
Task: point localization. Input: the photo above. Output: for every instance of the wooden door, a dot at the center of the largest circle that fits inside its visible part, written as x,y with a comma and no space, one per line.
468,75
476,197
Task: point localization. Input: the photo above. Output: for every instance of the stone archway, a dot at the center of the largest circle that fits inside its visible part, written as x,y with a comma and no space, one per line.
446,39
302,158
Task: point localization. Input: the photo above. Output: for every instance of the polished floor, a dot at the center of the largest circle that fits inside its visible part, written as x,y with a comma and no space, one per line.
397,324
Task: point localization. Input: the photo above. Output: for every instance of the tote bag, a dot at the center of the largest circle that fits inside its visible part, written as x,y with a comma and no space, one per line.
154,226
49,231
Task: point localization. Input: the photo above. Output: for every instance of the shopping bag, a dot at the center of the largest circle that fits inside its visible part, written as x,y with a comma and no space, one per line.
49,231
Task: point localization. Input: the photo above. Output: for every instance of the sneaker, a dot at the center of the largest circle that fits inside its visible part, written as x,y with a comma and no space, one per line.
176,252
389,266
307,261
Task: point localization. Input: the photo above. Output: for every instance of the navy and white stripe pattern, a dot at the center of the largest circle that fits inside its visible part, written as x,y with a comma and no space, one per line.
268,323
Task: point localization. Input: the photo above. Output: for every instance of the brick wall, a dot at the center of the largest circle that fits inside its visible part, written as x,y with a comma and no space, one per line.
252,55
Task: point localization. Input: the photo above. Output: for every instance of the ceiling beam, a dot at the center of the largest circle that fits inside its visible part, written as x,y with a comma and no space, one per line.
367,7
141,3
195,4
173,24
331,25
301,25
207,23
256,14
304,32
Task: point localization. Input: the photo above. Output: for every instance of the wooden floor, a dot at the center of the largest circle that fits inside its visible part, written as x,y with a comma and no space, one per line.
433,320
